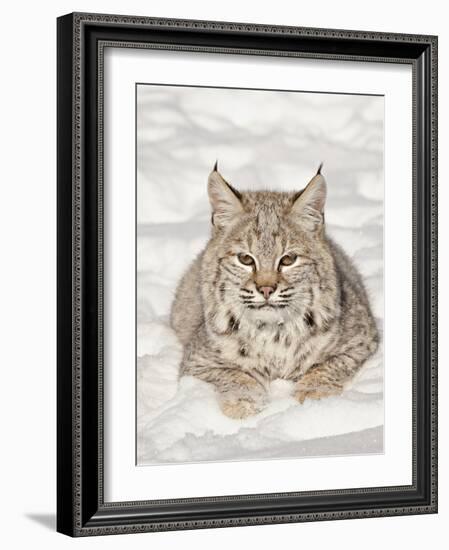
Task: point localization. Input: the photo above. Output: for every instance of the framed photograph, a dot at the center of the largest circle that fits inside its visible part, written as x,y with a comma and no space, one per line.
247,278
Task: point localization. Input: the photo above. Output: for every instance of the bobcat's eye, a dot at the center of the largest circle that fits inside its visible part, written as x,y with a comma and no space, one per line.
288,259
245,259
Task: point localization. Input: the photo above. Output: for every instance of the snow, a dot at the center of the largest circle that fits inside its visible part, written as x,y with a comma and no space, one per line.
262,140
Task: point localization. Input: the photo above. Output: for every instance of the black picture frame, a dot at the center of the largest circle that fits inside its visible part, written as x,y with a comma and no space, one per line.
81,509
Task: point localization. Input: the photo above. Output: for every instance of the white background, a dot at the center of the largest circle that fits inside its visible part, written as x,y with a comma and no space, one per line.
28,275
123,481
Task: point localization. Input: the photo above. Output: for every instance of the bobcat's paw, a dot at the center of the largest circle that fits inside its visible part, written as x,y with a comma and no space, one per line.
239,406
311,388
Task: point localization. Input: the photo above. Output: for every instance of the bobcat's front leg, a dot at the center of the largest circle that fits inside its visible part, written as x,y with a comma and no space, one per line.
243,401
239,394
327,378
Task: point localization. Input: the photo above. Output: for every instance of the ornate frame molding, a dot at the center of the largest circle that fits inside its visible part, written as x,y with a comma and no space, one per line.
81,41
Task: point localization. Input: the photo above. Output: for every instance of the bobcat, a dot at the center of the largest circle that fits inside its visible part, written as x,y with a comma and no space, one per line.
271,296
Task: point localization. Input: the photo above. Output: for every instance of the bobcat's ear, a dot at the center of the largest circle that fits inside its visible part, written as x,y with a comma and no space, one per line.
224,199
308,204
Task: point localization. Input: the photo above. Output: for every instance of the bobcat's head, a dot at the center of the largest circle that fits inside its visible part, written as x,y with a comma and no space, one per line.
268,256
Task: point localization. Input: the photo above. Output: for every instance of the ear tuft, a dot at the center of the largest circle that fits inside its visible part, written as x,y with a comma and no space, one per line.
224,200
308,205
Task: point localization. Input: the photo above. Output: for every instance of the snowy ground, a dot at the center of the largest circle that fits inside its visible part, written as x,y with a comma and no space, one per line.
262,140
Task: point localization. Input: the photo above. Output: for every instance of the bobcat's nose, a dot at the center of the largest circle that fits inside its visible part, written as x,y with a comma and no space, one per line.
266,290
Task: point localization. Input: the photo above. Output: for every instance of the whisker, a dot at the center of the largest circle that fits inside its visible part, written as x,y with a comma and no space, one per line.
286,289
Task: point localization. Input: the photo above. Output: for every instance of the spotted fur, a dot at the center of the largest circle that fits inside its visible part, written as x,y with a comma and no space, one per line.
315,328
